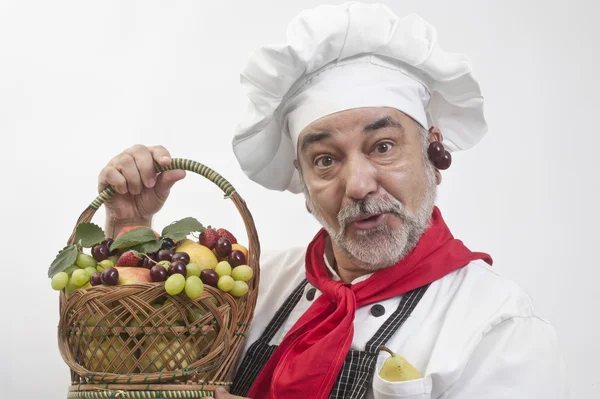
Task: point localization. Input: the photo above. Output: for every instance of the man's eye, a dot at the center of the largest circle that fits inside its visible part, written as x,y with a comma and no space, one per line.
383,147
324,162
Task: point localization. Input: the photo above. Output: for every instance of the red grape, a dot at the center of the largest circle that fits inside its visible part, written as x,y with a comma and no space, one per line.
100,252
95,279
210,277
181,256
158,274
223,247
165,254
167,243
236,258
110,276
177,267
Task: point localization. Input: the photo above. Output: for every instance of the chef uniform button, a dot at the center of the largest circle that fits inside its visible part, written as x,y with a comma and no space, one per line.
310,294
377,310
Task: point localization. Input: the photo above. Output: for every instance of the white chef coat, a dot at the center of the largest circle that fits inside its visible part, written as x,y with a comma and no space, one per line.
474,334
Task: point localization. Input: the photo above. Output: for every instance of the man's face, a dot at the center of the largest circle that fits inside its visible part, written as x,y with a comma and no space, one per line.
366,179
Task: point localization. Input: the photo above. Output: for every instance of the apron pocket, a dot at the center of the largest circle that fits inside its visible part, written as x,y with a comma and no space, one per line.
413,389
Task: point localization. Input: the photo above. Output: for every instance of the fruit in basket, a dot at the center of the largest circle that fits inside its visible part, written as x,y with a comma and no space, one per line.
225,283
91,270
167,243
175,284
84,260
209,277
199,254
166,356
105,263
193,270
80,277
108,356
177,267
194,287
100,252
181,256
240,248
236,258
110,276
223,247
95,279
240,288
133,275
166,254
158,274
223,269
129,258
242,273
165,264
59,281
209,238
129,228
226,234
69,270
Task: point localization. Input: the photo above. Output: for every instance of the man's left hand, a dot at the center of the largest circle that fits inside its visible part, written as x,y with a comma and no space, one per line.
221,393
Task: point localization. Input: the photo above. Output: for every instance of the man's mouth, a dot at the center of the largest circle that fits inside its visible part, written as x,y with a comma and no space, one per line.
369,221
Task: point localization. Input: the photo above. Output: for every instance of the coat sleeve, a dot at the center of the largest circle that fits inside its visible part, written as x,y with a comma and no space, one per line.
519,358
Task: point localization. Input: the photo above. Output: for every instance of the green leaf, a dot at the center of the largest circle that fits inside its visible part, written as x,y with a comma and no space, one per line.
65,258
148,247
180,229
137,236
88,234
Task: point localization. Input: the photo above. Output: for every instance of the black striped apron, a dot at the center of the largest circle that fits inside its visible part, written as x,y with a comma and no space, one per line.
355,377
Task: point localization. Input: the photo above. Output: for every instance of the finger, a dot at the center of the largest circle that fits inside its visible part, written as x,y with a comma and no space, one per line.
144,163
126,165
110,176
160,154
165,182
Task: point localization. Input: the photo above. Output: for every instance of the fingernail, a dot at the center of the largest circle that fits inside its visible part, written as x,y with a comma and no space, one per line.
221,390
166,159
151,182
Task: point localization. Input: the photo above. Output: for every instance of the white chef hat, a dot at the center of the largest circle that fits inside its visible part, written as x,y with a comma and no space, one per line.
343,57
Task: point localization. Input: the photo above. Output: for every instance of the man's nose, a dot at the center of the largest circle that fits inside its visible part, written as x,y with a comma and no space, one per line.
360,178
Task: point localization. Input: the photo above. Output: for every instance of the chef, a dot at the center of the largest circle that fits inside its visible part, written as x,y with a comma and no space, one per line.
359,112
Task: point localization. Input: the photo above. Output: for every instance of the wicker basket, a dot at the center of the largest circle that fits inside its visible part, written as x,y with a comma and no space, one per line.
136,341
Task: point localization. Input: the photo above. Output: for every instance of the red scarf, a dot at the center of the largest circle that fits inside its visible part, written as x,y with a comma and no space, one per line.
310,357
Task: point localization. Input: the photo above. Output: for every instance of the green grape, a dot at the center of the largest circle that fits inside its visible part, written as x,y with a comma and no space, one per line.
194,287
85,260
80,277
90,270
175,284
225,283
240,288
106,263
69,270
59,281
114,259
193,270
99,268
223,269
242,273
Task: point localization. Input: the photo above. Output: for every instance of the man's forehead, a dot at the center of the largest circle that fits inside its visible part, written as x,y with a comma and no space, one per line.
356,118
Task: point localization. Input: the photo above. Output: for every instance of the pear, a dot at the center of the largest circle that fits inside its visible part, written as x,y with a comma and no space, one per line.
397,369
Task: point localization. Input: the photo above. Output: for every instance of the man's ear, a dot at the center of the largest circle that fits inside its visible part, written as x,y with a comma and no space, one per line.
307,207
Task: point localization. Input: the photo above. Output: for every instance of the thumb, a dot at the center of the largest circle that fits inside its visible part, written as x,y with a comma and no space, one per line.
166,180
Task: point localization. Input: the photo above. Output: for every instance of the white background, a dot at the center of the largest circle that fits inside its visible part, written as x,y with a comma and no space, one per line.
80,81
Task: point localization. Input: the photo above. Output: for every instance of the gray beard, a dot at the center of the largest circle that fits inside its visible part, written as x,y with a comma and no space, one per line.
380,247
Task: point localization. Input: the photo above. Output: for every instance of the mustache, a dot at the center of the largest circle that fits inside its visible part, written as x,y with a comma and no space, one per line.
368,206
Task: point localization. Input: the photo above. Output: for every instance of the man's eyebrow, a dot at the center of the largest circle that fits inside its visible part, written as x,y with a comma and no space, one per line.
310,138
382,123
